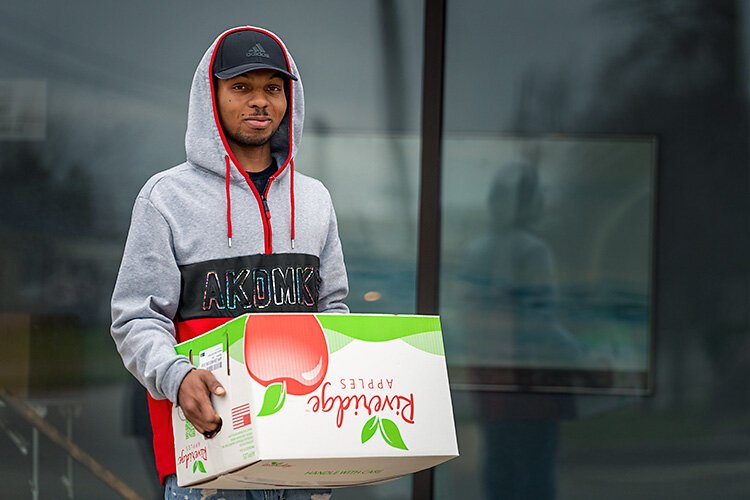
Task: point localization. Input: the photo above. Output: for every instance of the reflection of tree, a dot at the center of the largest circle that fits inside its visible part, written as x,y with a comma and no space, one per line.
681,78
682,47
48,211
37,196
393,84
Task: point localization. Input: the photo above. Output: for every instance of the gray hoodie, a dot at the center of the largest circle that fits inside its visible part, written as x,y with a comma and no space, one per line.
201,250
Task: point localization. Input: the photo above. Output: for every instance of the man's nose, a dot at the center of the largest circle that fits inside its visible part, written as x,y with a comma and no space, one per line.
257,100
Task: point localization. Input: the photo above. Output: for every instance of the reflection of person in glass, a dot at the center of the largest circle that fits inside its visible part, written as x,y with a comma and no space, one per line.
512,281
512,323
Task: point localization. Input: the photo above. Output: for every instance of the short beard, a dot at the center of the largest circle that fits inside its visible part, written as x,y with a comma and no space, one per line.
251,141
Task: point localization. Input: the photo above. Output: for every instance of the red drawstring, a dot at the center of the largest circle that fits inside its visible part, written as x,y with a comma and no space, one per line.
291,197
229,205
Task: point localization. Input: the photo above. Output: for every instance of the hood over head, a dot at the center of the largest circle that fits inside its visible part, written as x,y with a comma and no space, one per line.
205,143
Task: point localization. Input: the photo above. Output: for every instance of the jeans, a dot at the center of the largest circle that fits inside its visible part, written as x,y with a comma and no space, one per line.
174,492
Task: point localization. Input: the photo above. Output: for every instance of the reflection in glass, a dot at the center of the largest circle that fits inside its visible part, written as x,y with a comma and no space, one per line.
511,296
673,70
546,240
546,275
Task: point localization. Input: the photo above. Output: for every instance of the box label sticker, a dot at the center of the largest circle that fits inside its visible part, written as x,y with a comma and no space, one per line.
211,359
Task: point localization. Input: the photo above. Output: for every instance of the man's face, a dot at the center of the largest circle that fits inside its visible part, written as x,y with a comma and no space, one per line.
251,106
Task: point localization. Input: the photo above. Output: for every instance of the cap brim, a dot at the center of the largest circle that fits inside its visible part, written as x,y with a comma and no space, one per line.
238,70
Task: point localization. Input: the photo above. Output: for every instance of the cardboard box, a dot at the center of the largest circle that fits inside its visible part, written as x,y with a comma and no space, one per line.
319,400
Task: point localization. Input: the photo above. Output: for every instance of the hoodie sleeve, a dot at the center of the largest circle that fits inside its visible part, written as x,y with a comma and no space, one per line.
144,303
334,285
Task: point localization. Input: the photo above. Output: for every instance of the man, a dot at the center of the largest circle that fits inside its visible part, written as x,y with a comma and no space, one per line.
232,230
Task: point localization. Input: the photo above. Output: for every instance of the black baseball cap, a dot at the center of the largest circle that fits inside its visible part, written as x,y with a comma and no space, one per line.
248,50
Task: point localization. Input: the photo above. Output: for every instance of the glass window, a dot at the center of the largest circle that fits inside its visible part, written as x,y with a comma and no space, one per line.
554,112
546,243
547,222
93,101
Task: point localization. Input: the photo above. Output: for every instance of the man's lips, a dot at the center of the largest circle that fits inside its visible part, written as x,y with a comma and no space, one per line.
257,121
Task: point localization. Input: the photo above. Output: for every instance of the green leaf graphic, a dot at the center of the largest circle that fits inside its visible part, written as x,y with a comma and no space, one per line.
273,399
391,434
369,429
200,466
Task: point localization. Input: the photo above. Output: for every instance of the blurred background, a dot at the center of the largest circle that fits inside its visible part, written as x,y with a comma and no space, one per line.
595,227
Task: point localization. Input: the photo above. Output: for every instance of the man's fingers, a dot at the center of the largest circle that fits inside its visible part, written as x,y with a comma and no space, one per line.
212,428
194,399
213,385
200,413
214,432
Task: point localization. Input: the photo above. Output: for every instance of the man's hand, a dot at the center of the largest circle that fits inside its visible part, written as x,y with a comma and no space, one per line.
194,398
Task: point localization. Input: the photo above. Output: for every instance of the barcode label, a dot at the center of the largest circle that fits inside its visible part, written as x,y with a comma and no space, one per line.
211,359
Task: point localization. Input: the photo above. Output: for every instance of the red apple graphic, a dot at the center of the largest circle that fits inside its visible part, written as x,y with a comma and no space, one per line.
286,353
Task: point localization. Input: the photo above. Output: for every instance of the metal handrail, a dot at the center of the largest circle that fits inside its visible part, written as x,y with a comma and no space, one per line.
80,456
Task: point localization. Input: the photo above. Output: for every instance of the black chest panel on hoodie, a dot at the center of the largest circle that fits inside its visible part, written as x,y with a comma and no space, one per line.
221,288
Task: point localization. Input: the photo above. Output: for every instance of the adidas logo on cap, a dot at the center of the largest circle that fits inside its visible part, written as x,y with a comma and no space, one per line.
257,51
247,50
